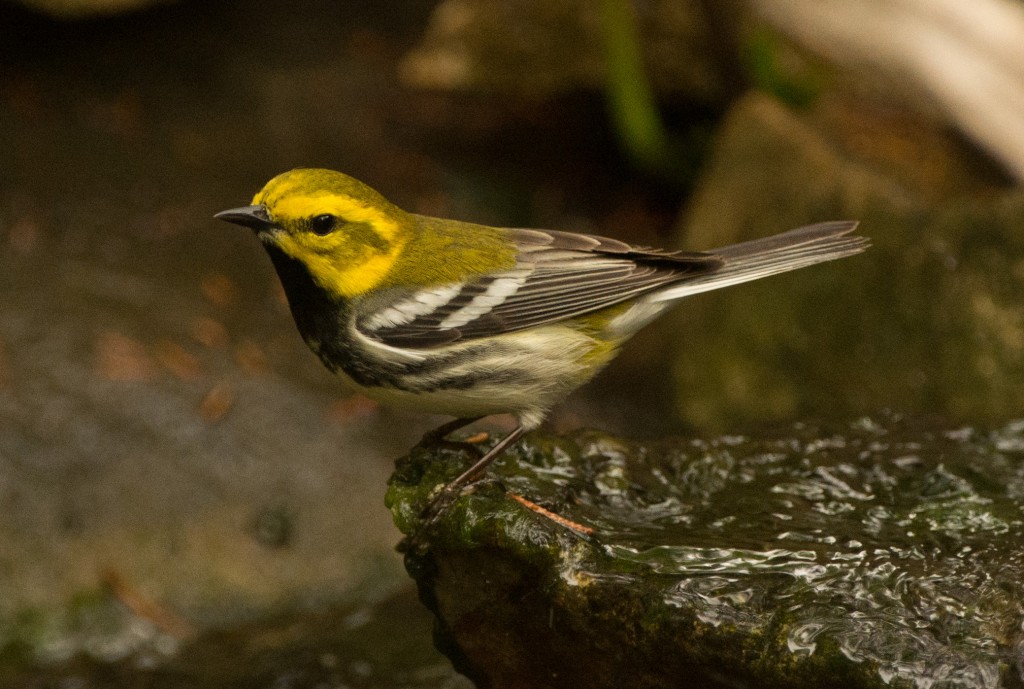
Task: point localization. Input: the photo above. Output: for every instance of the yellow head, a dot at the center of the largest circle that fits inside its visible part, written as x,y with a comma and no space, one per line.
346,234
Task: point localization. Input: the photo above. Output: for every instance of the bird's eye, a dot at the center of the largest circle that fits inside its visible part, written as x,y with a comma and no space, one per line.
323,224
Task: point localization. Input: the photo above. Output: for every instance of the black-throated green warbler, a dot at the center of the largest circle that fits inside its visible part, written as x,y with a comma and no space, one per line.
450,317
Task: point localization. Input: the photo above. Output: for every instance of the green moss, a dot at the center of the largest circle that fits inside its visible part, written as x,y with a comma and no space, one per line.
34,633
820,558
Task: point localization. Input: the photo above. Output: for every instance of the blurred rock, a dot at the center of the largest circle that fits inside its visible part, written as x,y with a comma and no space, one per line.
79,9
171,454
207,490
537,48
371,645
879,554
928,57
962,64
161,422
928,320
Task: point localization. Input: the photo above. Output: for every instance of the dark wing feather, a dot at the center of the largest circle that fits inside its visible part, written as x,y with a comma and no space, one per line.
558,275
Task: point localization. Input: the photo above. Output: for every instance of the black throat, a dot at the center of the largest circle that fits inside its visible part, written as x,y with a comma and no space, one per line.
320,318
324,323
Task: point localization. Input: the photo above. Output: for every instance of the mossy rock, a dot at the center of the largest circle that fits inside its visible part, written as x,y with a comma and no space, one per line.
880,554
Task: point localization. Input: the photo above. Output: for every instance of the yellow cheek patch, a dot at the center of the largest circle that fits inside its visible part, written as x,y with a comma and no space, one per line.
362,271
359,253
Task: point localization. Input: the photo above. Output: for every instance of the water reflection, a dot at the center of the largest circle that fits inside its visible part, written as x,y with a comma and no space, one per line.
901,553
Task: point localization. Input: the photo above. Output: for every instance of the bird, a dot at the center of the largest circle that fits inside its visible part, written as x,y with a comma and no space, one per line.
456,318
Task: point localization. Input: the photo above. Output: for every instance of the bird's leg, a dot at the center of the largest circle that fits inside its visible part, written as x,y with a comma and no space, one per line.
452,488
473,473
444,499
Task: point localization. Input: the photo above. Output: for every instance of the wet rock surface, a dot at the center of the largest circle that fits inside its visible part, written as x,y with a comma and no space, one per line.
876,554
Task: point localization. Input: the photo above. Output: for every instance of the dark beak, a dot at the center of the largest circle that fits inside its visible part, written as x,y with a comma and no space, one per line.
254,217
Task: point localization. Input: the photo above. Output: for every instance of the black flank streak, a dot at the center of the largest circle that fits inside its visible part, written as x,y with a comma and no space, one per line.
471,380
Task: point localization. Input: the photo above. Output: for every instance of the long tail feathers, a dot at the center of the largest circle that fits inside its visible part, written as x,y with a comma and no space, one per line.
760,258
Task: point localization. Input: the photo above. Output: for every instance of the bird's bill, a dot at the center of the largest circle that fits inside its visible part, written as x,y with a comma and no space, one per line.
254,217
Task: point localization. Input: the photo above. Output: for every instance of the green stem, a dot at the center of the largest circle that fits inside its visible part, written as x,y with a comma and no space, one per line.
631,100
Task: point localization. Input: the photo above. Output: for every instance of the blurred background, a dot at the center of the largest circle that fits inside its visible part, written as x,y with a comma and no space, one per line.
184,488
